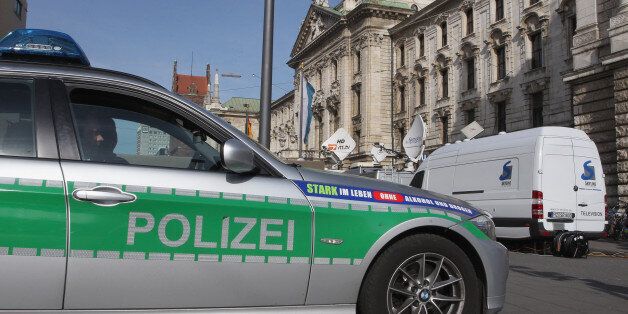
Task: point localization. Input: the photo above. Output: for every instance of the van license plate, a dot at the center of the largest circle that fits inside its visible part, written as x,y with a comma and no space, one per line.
560,215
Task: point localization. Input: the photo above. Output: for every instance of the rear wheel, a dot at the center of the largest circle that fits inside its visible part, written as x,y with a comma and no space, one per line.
423,273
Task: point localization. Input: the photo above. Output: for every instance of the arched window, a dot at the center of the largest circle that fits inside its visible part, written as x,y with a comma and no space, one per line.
334,69
499,54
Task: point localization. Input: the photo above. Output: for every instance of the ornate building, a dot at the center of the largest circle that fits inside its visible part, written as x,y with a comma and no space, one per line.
507,64
598,78
487,61
345,53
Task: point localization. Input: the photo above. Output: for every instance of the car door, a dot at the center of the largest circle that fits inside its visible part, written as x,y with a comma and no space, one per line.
156,222
32,201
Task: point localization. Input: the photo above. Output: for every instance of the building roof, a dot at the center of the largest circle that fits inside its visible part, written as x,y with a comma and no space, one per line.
282,99
237,104
189,84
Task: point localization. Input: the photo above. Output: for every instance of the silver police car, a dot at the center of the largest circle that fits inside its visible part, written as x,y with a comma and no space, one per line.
116,194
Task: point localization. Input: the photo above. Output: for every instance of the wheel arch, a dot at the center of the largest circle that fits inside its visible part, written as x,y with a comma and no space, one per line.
439,227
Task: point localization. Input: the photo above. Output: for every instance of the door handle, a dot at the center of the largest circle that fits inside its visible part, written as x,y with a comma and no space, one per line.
104,196
583,204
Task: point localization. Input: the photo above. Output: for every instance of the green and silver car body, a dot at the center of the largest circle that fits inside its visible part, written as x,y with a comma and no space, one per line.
290,239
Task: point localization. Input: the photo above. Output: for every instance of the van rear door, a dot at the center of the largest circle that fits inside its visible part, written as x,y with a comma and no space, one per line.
589,179
558,184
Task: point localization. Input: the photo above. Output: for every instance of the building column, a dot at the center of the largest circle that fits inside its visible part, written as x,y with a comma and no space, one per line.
587,38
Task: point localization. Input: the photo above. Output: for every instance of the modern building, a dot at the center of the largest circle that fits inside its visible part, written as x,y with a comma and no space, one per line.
507,64
12,15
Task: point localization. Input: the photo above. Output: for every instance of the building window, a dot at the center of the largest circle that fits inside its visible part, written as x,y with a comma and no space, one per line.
500,52
402,98
470,116
18,9
421,91
469,15
334,69
537,109
443,28
402,55
358,62
444,73
499,10
570,23
357,102
470,73
445,125
537,50
501,116
421,45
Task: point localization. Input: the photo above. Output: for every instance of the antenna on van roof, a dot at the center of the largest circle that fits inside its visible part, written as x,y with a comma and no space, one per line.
472,130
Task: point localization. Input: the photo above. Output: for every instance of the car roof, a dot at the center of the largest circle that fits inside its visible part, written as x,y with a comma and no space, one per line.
65,70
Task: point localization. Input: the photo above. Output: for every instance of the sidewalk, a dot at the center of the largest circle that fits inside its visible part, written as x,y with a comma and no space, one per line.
609,247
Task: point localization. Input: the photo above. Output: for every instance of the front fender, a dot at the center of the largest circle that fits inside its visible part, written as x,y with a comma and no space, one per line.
347,279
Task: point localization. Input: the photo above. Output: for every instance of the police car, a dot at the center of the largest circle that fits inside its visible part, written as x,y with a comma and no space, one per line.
116,194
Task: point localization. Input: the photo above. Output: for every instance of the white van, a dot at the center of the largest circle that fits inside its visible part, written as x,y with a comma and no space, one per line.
533,182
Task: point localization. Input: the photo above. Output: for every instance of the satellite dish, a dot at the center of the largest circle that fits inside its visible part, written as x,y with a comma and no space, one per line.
472,130
413,141
341,144
379,154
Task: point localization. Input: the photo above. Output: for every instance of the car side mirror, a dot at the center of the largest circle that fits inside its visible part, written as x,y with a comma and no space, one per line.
237,157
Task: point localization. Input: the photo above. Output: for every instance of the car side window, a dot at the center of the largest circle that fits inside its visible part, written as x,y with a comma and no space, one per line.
17,131
119,129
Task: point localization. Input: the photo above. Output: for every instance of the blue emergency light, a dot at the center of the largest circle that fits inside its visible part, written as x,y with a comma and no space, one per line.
42,46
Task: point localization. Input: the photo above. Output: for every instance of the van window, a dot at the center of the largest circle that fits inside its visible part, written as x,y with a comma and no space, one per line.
417,181
17,136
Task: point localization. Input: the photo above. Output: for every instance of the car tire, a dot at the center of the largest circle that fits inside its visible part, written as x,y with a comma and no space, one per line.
407,257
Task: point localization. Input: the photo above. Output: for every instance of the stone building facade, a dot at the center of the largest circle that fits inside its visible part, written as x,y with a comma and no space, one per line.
345,53
284,139
497,62
599,83
506,64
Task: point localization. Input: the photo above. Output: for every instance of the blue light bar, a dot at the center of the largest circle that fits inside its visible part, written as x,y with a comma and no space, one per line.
41,45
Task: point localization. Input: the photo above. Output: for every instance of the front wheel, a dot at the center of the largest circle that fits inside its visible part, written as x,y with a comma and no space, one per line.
422,273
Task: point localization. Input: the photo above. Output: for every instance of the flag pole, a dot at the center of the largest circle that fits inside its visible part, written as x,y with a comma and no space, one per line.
301,117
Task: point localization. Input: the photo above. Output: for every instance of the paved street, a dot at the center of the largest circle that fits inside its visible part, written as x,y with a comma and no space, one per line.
548,284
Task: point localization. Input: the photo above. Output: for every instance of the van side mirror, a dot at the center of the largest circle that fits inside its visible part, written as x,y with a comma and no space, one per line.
237,157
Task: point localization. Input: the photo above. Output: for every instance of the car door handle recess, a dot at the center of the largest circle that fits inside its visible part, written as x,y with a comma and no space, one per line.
583,204
104,196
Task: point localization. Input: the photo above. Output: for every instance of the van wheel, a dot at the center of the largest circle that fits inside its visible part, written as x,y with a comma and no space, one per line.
422,273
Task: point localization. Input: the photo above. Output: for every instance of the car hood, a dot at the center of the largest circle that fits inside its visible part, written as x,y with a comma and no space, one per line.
377,191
